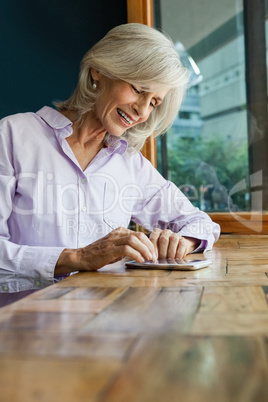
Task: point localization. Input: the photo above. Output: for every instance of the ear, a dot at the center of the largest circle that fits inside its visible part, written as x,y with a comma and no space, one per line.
95,74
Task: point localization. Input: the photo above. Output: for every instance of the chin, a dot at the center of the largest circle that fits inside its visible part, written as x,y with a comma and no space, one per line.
116,133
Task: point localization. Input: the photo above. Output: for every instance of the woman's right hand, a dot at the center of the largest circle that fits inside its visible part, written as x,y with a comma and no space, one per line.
118,244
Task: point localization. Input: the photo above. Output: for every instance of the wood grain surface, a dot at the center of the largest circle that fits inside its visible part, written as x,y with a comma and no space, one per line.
126,335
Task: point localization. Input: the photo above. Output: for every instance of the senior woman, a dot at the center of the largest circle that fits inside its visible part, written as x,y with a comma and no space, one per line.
73,178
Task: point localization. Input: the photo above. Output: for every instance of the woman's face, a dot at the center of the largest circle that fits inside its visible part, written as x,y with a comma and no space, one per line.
122,105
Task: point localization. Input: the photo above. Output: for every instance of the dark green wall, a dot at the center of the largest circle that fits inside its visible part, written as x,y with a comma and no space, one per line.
42,43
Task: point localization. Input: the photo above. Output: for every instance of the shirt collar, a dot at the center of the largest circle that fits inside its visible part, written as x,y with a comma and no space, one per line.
115,144
54,118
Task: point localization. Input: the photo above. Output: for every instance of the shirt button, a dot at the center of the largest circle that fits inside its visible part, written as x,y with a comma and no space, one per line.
83,181
5,288
38,284
83,209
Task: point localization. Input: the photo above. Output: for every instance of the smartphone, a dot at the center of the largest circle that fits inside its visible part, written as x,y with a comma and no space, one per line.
169,263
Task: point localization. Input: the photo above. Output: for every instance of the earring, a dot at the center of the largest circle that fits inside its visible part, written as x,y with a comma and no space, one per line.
94,85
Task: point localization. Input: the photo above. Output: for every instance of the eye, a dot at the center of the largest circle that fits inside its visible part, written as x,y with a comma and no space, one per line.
139,92
135,90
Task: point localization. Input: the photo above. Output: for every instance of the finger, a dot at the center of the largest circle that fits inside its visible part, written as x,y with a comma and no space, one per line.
163,243
128,251
141,243
144,239
154,236
182,249
138,242
174,240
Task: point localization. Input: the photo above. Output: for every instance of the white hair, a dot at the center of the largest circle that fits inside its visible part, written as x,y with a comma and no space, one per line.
142,56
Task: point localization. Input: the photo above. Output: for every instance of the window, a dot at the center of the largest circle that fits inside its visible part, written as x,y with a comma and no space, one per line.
211,149
217,149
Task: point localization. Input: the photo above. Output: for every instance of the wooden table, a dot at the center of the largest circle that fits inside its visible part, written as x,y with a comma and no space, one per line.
121,335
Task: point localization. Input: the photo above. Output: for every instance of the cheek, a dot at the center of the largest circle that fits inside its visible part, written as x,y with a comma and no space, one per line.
146,118
102,105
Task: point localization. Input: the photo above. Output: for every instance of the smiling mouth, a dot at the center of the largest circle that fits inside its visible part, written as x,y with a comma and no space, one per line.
124,116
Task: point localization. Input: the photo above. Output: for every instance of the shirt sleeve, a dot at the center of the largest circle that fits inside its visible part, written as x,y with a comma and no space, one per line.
164,206
22,267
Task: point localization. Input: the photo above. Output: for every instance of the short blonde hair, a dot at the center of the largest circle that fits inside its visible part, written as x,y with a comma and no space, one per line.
142,56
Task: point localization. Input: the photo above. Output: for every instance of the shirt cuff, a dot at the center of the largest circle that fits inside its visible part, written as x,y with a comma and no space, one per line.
37,268
202,247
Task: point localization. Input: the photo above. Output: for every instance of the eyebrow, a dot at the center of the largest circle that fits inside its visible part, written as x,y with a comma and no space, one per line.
146,89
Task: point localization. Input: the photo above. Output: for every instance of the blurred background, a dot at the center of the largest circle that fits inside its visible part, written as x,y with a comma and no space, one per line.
208,151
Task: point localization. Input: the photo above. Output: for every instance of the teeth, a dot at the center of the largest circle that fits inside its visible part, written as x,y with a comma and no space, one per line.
125,117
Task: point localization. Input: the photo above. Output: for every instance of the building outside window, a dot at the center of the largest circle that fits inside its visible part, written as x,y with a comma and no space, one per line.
207,150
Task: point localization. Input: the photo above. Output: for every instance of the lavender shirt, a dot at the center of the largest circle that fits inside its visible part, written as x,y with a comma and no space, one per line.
49,203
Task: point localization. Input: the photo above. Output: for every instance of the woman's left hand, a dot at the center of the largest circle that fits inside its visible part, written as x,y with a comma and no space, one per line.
168,244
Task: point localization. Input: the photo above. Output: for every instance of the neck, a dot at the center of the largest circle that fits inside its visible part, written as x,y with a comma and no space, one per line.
91,130
86,139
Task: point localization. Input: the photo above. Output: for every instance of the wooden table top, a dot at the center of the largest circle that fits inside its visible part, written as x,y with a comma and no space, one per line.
120,335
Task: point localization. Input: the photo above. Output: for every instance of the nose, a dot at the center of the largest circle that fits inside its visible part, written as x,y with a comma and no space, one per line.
142,108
